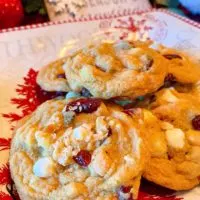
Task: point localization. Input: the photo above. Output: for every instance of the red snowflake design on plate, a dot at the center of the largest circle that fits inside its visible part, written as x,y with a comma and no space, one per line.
133,25
30,97
5,179
5,175
151,191
4,196
4,144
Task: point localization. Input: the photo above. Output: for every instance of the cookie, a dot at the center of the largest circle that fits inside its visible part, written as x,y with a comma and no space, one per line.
174,140
78,149
110,70
52,77
182,68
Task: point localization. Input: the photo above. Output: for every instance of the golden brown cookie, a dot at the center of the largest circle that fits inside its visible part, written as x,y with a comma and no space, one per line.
80,149
174,140
122,68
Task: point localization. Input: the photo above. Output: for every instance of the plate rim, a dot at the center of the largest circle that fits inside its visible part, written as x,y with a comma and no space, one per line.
105,16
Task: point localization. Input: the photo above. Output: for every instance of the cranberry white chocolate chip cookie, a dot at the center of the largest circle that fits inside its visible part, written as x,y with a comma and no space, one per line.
79,149
52,77
174,140
121,68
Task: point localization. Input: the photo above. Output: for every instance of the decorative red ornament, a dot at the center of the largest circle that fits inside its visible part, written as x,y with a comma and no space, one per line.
11,13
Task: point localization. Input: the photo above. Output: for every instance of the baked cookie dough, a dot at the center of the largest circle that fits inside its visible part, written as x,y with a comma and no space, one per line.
122,68
79,149
178,108
52,77
182,68
174,140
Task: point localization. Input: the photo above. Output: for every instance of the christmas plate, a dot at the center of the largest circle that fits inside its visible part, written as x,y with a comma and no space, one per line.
24,50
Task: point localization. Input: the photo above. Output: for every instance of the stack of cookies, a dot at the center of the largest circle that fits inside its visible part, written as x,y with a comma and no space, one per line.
130,111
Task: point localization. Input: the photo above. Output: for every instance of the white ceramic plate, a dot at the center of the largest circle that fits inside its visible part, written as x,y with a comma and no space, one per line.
24,50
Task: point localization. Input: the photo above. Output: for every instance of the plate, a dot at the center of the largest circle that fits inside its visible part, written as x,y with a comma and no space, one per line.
24,50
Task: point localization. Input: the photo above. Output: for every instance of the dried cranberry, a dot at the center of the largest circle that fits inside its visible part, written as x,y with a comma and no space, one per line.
196,122
172,56
170,79
109,132
61,76
129,112
85,92
83,158
169,156
83,105
124,193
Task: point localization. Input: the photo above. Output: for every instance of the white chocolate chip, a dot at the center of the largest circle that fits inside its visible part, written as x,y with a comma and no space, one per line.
118,127
111,122
169,96
129,159
101,162
101,125
175,138
44,139
82,132
44,167
79,133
